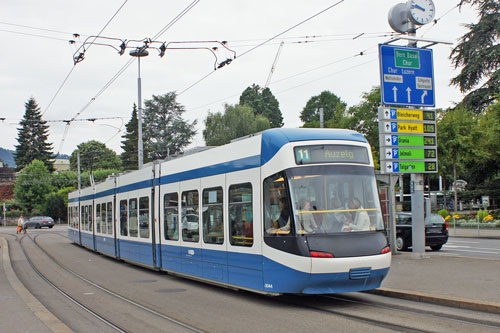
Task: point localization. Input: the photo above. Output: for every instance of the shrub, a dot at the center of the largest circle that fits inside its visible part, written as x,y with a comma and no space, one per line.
482,214
444,213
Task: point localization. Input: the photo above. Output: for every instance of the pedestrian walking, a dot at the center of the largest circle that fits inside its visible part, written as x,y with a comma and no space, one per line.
20,225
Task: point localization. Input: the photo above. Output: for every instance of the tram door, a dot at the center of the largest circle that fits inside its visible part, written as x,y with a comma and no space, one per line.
191,257
244,244
212,228
169,212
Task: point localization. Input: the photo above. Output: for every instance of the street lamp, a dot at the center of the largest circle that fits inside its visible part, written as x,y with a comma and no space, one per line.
139,53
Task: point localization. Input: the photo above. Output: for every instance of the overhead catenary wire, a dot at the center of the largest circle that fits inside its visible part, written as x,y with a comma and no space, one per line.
73,67
122,69
35,28
361,53
266,41
439,18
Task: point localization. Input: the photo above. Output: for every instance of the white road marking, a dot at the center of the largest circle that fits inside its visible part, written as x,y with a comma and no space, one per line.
472,247
474,251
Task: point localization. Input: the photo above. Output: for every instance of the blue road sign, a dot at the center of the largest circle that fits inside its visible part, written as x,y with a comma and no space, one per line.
406,75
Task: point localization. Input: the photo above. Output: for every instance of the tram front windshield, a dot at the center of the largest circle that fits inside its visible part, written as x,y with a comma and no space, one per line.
322,199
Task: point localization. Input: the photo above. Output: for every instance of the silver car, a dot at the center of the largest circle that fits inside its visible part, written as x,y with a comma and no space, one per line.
39,222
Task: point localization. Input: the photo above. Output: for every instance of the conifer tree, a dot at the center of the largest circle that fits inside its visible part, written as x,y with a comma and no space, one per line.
165,132
478,56
32,138
130,143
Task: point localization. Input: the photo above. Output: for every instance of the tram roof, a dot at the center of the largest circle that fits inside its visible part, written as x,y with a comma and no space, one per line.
273,139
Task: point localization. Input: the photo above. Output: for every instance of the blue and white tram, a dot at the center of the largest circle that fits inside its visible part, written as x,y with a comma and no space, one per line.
283,211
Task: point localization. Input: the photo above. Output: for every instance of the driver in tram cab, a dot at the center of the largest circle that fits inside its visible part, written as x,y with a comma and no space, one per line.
359,219
283,222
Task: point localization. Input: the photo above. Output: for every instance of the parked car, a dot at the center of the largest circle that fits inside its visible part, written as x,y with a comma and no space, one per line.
436,231
38,222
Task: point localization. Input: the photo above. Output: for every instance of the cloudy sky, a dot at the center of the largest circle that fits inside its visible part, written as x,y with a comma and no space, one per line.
319,54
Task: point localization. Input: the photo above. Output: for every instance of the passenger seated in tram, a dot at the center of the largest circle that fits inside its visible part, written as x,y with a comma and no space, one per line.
310,218
336,216
358,219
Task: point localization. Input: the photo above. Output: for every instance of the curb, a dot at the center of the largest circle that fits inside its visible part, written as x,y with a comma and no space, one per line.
456,302
40,311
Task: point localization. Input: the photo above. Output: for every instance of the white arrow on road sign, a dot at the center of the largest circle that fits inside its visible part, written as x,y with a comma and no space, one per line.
409,94
423,95
395,93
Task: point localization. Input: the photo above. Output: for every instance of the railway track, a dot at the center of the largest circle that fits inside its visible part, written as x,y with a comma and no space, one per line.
101,317
371,310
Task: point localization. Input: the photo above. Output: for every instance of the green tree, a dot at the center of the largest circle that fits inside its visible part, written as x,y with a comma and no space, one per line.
164,131
55,207
130,143
32,186
95,155
32,138
478,54
484,164
363,117
455,140
263,103
237,121
64,179
333,110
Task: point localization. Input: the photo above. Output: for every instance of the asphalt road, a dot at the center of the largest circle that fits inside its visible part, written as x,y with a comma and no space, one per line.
472,247
210,308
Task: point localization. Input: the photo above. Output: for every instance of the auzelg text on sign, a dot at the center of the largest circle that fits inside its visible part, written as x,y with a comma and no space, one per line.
407,76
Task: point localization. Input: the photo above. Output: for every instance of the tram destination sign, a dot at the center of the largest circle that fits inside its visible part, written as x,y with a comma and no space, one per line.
331,154
406,75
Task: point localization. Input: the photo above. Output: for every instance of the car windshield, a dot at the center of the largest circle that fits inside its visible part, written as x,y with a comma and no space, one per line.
429,220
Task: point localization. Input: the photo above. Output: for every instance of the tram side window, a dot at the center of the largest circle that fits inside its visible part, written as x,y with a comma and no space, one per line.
144,217
276,206
190,217
102,219
170,216
98,218
123,218
213,222
90,224
86,218
132,217
241,214
82,218
109,220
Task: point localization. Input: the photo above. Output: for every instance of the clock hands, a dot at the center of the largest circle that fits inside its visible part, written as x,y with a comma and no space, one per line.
414,5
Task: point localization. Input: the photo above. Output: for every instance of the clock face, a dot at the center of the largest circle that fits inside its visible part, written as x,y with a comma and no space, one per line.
421,11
